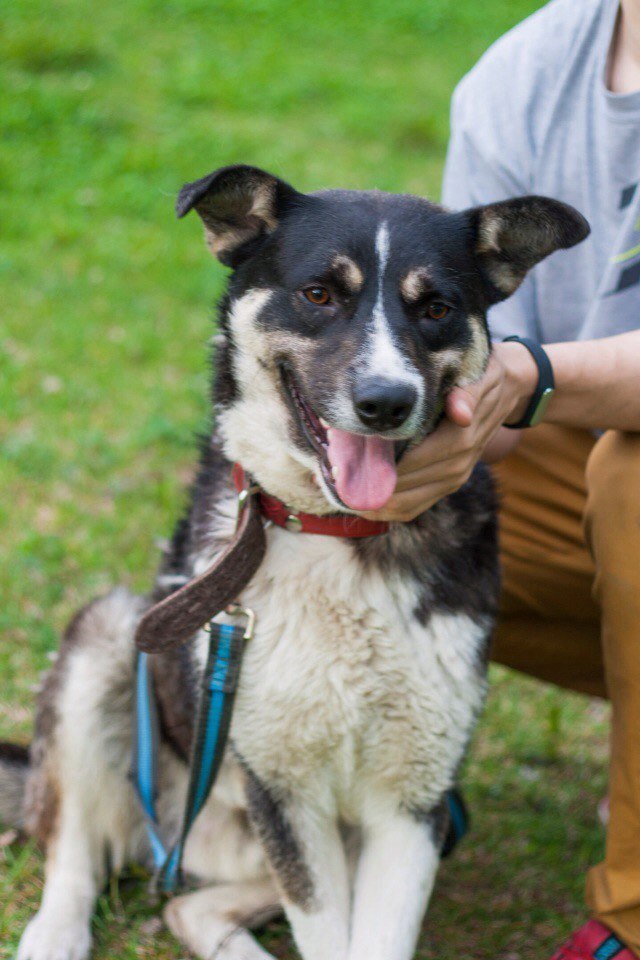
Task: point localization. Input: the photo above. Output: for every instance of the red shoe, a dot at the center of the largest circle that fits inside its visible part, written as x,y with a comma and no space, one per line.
594,942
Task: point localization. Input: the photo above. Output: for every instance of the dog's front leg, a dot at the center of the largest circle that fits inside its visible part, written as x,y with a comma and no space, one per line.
393,883
320,922
307,856
74,873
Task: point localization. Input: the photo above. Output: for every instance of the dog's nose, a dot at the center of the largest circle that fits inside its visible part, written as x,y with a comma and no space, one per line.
383,404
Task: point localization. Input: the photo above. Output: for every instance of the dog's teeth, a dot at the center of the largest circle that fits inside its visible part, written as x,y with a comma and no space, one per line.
324,423
334,472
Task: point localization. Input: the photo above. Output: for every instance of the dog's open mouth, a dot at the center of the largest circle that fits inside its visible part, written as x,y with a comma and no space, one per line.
359,470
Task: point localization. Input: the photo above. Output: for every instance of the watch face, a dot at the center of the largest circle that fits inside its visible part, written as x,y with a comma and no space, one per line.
541,409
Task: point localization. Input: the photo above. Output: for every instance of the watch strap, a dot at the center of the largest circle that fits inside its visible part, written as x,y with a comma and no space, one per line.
537,406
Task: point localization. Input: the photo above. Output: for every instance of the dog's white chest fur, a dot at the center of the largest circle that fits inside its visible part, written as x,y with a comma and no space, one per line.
343,691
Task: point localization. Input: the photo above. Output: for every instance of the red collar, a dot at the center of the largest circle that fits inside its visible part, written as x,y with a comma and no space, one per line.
333,525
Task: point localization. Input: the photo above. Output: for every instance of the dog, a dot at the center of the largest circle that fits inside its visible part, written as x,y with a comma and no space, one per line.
347,318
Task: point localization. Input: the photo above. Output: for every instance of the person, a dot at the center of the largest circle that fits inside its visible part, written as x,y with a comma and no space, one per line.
553,108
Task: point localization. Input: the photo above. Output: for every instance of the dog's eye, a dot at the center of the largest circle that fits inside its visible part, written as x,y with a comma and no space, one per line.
317,295
437,310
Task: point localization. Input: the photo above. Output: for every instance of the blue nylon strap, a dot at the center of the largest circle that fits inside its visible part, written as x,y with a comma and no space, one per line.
458,821
220,681
169,875
216,704
146,758
212,727
458,814
146,747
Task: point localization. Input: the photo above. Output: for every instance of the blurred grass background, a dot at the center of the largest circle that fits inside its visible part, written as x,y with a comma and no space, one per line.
105,110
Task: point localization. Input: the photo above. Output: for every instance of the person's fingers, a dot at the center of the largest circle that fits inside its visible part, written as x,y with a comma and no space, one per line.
409,504
460,406
433,463
452,433
405,504
431,473
445,443
462,402
435,448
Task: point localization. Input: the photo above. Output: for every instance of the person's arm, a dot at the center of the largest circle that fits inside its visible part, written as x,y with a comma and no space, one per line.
597,383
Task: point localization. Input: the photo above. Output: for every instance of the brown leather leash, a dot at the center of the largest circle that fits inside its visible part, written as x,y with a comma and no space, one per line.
175,619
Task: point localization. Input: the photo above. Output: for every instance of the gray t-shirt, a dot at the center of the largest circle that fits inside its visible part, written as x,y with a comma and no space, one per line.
534,116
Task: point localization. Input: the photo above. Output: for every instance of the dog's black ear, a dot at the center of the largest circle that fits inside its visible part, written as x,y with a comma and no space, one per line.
510,237
237,205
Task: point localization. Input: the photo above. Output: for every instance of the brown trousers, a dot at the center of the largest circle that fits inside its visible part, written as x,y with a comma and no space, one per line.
570,519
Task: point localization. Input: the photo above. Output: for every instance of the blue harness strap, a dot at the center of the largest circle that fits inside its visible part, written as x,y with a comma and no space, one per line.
226,646
145,756
458,821
220,681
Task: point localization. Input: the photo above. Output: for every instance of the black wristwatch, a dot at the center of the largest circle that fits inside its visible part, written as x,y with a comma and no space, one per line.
545,389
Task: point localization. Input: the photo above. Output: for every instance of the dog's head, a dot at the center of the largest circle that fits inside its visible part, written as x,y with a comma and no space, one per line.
348,317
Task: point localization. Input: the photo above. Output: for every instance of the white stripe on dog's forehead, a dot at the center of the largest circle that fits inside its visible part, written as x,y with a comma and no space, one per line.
382,248
383,358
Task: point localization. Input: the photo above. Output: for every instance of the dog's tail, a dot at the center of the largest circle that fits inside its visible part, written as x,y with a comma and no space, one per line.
14,768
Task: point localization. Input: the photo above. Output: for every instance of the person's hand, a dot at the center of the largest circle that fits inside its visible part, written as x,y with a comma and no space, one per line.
474,415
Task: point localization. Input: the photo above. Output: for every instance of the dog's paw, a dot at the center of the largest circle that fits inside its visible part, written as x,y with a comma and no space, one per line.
241,946
54,938
209,934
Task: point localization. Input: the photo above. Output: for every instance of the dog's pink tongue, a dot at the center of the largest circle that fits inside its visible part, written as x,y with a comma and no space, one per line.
365,469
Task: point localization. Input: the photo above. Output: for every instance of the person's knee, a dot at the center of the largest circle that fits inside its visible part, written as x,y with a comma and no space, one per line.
613,484
614,460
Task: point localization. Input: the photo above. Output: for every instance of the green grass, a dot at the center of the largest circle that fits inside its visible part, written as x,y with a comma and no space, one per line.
106,109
